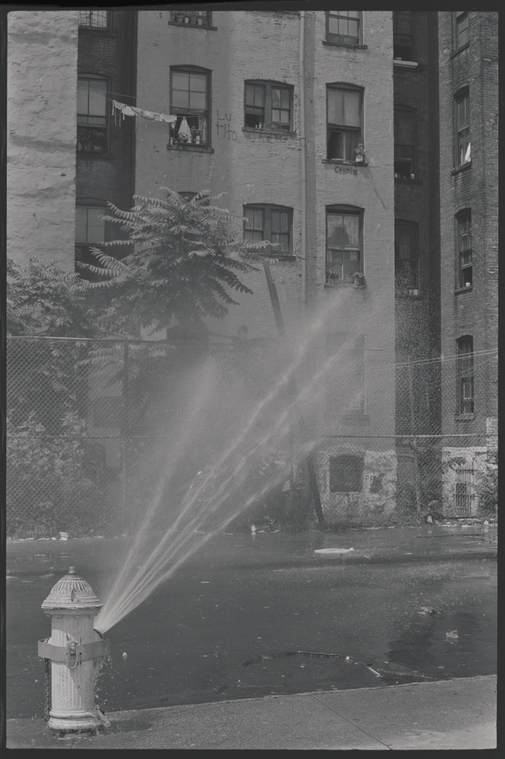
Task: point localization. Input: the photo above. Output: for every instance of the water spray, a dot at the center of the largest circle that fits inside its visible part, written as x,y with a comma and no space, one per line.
74,655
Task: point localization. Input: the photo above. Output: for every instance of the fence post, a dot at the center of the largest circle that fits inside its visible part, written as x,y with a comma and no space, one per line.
414,439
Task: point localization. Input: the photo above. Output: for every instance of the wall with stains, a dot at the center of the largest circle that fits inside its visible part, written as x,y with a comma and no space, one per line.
41,129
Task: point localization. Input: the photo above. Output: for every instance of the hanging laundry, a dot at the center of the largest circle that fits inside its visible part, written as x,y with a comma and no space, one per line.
127,111
167,119
148,115
184,130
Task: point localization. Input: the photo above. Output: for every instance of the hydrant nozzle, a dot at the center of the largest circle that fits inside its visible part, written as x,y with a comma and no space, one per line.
75,651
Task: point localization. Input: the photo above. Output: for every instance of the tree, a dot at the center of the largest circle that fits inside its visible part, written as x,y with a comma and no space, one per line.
182,263
42,299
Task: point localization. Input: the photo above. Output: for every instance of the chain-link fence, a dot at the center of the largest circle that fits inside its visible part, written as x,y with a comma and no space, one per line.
93,423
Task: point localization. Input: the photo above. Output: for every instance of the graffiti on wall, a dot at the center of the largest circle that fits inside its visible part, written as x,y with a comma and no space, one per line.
223,127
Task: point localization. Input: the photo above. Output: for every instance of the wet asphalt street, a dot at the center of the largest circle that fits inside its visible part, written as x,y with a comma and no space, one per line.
252,615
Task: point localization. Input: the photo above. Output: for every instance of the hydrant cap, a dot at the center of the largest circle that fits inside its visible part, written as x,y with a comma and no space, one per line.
72,592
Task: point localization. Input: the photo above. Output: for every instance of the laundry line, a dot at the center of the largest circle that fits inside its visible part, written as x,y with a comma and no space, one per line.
130,110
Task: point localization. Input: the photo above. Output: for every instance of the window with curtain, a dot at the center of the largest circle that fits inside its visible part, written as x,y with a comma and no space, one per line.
344,254
189,102
462,135
344,121
268,105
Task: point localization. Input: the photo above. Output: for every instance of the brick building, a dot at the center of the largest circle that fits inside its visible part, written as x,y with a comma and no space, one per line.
364,143
468,128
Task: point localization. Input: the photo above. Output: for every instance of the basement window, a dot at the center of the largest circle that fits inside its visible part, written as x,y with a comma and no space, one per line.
346,474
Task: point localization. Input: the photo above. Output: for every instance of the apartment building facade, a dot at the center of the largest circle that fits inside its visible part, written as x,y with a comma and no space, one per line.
468,124
331,134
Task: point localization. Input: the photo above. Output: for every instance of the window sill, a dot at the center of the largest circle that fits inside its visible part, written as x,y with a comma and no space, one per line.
340,162
405,64
463,167
460,290
191,148
460,49
279,134
87,154
192,26
405,180
339,284
464,417
348,45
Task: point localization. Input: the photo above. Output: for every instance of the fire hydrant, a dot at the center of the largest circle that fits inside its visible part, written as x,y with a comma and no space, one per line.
75,652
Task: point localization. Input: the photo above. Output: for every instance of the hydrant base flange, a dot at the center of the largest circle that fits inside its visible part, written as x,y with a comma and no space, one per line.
73,723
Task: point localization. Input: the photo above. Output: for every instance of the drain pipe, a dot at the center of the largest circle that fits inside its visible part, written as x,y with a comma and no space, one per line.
74,655
303,157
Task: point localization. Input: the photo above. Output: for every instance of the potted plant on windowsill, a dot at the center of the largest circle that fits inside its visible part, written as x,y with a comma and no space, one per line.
358,279
359,154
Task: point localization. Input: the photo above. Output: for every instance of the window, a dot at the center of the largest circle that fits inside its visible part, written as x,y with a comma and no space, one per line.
465,375
460,29
343,243
189,99
346,474
403,35
272,223
91,115
344,105
90,231
191,18
94,19
464,249
343,27
268,105
462,137
405,143
406,257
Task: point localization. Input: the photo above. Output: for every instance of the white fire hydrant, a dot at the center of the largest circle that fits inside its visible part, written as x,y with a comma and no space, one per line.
76,652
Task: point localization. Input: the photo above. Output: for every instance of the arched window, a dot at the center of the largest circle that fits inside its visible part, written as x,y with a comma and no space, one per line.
344,243
92,114
268,105
190,103
344,107
462,127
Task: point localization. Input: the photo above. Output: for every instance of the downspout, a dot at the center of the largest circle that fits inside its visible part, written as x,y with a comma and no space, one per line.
303,157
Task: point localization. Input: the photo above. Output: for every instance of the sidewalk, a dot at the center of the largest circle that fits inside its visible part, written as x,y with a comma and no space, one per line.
450,714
